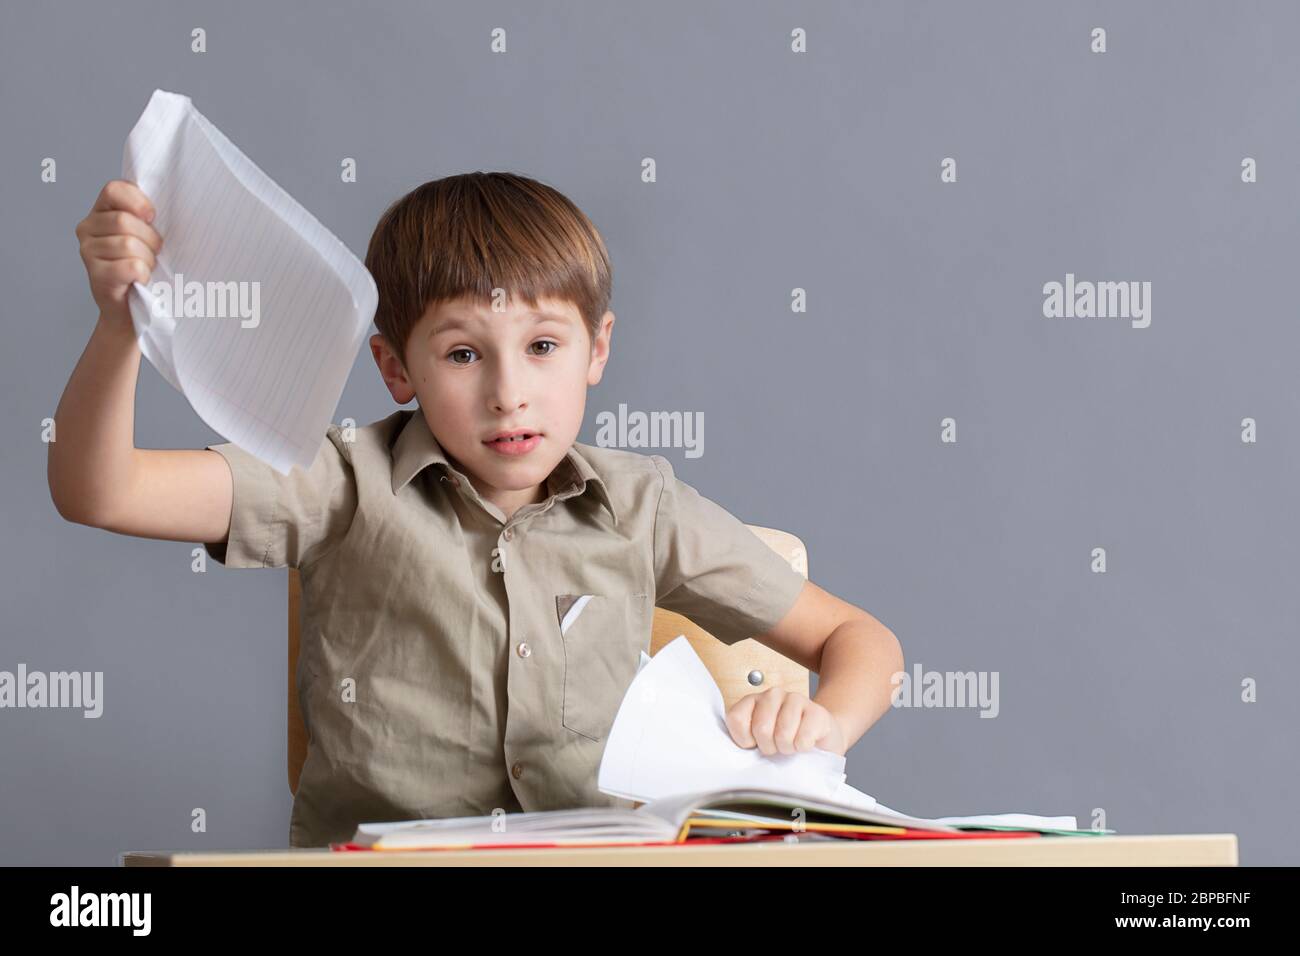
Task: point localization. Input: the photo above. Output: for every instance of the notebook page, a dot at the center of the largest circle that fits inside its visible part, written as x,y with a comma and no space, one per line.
670,737
254,311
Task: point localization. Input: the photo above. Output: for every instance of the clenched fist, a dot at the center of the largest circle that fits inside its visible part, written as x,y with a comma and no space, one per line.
782,721
118,246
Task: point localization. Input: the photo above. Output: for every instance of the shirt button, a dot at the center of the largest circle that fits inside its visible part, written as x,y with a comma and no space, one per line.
508,533
523,649
517,770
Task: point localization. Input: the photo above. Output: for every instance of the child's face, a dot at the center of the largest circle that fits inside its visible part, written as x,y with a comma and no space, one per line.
477,372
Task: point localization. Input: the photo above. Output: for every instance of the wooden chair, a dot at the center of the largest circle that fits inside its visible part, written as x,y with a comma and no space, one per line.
740,669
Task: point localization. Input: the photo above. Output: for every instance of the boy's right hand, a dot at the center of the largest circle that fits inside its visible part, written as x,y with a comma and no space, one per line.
97,476
118,246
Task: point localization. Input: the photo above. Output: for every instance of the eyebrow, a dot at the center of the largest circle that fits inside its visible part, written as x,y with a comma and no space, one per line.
455,322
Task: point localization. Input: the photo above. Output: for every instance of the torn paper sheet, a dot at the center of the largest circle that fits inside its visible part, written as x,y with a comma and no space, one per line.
670,737
254,311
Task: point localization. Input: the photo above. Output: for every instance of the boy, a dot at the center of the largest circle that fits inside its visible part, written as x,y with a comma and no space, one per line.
476,586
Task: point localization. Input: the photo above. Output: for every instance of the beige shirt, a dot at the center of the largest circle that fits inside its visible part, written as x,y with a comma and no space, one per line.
453,662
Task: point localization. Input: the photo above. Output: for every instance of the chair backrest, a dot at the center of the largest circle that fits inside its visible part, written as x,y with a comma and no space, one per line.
738,669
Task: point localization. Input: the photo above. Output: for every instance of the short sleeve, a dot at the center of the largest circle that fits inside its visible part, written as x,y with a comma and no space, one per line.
285,520
710,568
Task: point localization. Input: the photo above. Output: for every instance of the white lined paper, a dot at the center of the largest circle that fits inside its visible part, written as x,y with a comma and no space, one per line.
271,388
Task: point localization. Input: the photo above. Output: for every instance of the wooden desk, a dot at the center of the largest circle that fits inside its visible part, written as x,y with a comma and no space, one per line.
1206,849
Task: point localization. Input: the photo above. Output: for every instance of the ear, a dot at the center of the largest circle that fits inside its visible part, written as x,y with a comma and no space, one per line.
391,369
600,349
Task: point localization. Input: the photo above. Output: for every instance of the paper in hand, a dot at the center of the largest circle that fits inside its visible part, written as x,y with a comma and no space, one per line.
670,737
254,311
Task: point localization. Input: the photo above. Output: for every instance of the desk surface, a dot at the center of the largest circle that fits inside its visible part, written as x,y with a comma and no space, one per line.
1205,849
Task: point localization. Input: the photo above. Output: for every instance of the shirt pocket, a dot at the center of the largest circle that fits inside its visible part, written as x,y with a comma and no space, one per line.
603,636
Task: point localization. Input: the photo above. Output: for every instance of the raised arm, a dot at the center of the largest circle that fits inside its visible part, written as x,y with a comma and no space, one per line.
96,474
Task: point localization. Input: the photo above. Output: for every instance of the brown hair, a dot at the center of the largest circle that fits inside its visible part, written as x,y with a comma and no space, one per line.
468,234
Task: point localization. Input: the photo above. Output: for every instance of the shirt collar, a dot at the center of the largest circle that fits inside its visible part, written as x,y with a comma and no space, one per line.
417,449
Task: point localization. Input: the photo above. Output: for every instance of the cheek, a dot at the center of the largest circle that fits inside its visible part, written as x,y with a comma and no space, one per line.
441,383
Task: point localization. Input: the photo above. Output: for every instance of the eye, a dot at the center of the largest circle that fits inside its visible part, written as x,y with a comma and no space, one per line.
554,346
457,352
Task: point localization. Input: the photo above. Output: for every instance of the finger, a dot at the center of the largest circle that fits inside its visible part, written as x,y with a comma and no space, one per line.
763,721
118,222
124,194
787,722
119,247
813,728
738,717
112,273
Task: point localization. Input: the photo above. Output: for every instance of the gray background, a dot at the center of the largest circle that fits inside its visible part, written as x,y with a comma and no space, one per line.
1118,690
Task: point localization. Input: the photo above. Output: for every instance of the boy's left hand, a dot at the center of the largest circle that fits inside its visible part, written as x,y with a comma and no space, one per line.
781,721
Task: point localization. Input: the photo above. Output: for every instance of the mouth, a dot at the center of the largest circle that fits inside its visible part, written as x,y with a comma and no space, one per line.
517,441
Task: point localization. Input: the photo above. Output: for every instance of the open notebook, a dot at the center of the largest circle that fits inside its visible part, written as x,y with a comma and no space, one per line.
670,749
254,311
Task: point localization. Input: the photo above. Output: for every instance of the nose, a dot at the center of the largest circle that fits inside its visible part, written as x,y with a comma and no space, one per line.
506,389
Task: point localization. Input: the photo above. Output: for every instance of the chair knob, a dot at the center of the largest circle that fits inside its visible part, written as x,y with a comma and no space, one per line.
755,677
